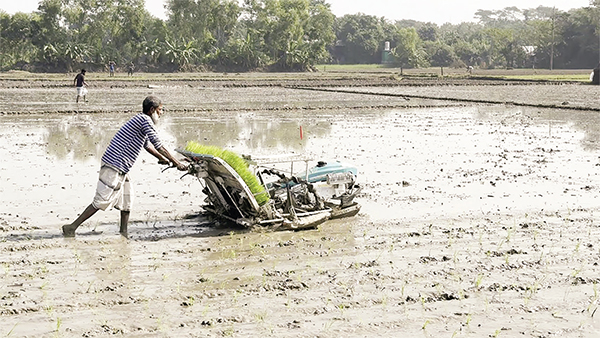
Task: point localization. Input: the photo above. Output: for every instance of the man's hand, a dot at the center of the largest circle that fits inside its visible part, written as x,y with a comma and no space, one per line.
180,166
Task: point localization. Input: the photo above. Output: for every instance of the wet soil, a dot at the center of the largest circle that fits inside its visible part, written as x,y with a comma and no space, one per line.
479,219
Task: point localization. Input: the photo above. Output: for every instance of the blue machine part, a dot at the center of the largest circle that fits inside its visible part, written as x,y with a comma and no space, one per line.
319,172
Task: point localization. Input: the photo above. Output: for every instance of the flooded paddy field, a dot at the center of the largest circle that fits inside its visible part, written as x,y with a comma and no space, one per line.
477,220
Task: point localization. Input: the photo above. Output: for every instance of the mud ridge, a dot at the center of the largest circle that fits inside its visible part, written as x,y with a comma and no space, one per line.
467,100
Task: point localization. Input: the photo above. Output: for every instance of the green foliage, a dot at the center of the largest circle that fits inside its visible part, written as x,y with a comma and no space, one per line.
361,38
208,22
237,163
441,55
181,52
408,51
63,35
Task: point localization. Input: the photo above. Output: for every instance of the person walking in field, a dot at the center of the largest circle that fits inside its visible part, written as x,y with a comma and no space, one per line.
114,185
80,84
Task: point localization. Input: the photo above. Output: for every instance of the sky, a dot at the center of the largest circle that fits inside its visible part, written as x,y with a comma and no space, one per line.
436,11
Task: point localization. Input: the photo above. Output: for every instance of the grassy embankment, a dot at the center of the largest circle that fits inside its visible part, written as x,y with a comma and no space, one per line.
323,71
582,75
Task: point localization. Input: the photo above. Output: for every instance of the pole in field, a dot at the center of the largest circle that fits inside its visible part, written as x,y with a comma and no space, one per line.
301,132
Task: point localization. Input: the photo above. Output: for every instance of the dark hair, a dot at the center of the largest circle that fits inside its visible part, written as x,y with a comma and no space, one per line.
83,70
150,102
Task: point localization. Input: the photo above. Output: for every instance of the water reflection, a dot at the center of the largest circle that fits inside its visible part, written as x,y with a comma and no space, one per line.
84,136
81,136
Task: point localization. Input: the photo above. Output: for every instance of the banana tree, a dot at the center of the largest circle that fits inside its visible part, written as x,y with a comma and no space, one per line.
182,53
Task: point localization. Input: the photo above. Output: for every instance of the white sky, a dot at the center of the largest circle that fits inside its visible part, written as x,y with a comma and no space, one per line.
437,11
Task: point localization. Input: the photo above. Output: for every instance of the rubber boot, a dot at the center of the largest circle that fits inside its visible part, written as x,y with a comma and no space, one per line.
69,230
124,221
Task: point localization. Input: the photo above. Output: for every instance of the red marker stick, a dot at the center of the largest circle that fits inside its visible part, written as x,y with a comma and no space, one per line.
300,132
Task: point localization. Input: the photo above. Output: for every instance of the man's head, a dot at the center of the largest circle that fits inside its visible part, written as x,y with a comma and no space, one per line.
152,107
82,71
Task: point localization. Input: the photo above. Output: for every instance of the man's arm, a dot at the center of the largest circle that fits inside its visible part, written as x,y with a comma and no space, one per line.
164,157
165,153
161,159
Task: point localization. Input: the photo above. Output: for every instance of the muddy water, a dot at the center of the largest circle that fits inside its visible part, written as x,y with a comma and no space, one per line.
476,221
475,158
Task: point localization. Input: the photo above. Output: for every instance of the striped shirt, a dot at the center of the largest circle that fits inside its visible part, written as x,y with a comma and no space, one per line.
127,143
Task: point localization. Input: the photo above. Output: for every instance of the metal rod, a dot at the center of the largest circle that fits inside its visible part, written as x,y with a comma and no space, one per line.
310,213
272,221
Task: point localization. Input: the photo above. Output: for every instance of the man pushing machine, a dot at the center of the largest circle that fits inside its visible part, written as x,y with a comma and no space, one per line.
114,187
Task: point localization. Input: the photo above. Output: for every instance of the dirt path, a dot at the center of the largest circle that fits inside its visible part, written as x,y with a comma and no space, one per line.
477,220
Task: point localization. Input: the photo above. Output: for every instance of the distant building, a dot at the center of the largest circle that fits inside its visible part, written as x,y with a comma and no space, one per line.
386,55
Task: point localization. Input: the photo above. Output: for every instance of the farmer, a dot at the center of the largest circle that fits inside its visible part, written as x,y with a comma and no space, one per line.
111,68
130,68
114,187
79,82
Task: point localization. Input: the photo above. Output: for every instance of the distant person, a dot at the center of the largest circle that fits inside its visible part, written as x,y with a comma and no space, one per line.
111,68
114,187
596,75
130,69
470,69
80,84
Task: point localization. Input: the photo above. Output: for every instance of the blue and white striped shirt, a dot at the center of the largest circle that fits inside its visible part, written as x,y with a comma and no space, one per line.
125,146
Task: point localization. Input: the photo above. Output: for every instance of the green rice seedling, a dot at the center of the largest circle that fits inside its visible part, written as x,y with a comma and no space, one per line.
327,326
49,310
237,163
89,287
11,330
509,232
530,292
228,254
593,299
58,324
450,240
500,244
260,316
478,281
228,332
342,308
384,301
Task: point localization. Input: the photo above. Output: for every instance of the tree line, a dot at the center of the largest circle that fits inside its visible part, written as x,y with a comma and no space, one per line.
287,35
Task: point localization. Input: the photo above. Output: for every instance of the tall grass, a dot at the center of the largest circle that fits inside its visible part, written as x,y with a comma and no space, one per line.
237,163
